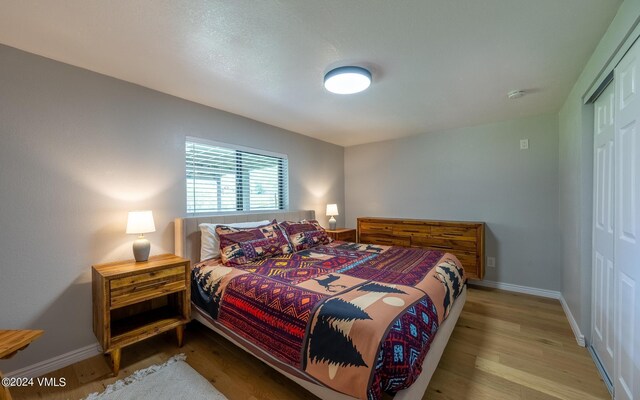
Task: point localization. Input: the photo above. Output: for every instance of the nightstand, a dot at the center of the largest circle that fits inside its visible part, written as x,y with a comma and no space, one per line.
133,301
345,234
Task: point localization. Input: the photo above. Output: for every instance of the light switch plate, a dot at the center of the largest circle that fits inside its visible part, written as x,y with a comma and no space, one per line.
524,144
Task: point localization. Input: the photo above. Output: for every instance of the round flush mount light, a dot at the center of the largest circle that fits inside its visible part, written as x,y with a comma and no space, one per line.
347,80
516,94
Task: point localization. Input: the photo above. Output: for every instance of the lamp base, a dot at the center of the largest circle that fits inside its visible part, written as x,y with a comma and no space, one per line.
332,223
141,248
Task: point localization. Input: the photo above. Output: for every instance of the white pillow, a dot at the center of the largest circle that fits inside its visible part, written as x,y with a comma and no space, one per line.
210,242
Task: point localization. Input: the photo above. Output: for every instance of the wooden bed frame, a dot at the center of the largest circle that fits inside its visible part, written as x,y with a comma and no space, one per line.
187,235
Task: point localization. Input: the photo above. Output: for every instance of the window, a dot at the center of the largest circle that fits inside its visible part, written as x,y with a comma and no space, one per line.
225,178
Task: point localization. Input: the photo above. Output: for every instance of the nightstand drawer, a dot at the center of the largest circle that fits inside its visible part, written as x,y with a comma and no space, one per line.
167,275
140,287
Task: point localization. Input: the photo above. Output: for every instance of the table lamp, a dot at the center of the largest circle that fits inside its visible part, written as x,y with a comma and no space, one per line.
139,223
332,210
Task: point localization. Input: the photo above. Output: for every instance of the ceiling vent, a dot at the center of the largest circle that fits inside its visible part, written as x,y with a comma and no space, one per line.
516,94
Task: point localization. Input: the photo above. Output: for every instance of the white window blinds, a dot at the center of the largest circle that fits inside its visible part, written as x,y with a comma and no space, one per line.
225,178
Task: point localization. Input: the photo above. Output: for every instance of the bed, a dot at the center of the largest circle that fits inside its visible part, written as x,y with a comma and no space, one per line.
359,355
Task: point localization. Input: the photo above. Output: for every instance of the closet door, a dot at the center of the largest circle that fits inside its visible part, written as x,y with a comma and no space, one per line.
627,227
603,223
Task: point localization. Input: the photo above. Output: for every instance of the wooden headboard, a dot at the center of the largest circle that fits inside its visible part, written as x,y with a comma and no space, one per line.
187,232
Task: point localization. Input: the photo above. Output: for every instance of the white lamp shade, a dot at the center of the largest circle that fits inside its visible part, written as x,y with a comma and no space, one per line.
332,209
140,222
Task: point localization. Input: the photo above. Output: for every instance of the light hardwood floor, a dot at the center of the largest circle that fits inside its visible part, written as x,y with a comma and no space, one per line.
505,346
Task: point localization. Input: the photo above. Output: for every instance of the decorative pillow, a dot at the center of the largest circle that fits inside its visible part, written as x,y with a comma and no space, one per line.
242,245
210,242
305,234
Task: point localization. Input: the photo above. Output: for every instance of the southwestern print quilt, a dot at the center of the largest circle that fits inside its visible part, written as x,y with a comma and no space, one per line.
357,318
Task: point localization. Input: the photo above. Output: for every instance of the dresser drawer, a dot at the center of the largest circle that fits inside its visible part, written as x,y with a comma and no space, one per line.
139,287
467,256
372,227
409,230
444,244
457,232
389,241
468,260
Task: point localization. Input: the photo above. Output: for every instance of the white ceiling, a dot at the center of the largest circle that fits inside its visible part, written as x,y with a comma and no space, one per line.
436,64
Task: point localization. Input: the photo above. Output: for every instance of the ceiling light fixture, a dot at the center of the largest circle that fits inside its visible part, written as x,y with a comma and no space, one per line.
347,80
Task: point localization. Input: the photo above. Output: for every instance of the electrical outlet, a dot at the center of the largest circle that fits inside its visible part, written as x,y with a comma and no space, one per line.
491,262
524,144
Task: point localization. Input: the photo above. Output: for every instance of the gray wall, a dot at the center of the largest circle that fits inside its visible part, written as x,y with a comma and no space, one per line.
77,151
576,170
477,174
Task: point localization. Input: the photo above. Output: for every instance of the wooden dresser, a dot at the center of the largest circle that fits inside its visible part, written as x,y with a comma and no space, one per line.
463,239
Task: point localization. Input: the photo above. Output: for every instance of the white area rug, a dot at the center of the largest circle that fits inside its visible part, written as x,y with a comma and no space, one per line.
174,379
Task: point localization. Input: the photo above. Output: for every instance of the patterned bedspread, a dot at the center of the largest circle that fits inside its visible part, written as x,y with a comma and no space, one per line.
357,318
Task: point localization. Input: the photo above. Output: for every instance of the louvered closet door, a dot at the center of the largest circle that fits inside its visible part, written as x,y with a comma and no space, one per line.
603,223
627,227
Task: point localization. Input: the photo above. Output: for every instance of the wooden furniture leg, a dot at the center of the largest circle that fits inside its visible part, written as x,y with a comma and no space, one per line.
4,391
180,335
114,356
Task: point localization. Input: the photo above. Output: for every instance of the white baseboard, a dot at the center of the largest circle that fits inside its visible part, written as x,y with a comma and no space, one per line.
57,362
552,294
572,321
